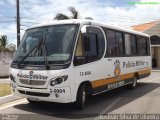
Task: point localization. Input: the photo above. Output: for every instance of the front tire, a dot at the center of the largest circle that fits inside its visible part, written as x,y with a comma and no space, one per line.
81,97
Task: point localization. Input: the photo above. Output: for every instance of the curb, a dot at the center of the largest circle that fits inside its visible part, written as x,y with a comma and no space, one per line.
9,98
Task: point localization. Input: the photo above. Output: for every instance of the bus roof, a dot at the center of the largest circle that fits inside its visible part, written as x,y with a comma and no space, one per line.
92,22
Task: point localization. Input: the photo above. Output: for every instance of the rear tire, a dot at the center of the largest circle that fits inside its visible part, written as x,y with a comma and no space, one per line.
81,97
134,82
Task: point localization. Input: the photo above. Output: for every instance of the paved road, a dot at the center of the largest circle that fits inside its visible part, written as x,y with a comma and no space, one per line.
145,99
4,80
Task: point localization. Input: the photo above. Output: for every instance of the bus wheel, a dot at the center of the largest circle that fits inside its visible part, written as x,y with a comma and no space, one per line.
81,97
134,82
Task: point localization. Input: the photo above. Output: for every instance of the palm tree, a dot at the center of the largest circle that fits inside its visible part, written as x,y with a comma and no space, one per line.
89,18
61,16
3,43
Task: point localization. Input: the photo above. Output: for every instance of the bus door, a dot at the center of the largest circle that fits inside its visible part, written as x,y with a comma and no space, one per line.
89,62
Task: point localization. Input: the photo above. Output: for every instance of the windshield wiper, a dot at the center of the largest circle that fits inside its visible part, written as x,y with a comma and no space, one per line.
19,64
44,49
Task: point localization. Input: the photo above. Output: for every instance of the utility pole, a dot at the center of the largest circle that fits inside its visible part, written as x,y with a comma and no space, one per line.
18,22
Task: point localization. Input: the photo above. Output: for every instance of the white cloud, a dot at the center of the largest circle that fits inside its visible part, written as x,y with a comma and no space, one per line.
103,12
7,3
11,2
9,31
2,3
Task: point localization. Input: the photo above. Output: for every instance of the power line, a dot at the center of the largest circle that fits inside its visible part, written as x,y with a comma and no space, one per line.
135,19
144,18
116,17
6,17
6,21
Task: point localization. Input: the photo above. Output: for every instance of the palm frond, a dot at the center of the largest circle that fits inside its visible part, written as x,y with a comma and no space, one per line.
61,16
3,41
75,14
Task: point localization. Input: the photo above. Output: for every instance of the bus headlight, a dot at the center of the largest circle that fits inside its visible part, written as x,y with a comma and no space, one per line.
58,80
12,78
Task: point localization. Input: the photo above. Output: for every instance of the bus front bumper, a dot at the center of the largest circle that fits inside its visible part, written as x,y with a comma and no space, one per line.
56,94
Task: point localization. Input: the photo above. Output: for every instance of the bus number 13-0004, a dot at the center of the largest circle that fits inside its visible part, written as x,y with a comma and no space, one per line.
85,73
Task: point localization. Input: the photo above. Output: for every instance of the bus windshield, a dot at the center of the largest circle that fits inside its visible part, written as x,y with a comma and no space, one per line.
54,43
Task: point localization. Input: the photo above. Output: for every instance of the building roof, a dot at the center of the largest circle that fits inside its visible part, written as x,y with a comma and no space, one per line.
145,26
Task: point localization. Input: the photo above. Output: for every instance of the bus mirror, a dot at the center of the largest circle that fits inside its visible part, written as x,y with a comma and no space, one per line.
84,29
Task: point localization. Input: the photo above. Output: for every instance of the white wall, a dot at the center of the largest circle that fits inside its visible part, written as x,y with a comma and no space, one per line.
5,61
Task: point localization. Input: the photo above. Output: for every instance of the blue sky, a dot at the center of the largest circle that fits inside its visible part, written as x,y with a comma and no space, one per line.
117,12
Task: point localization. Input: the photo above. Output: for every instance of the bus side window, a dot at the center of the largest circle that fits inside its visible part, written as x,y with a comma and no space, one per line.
128,47
90,46
86,50
115,43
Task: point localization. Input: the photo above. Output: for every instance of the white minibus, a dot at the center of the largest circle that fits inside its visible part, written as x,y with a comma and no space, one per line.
64,61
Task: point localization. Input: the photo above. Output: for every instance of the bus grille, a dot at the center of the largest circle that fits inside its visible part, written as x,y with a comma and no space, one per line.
32,82
34,93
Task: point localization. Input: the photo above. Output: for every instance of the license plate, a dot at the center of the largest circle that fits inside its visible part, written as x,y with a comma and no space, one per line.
33,99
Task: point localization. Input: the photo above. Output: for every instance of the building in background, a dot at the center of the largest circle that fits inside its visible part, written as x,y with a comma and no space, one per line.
152,29
11,47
